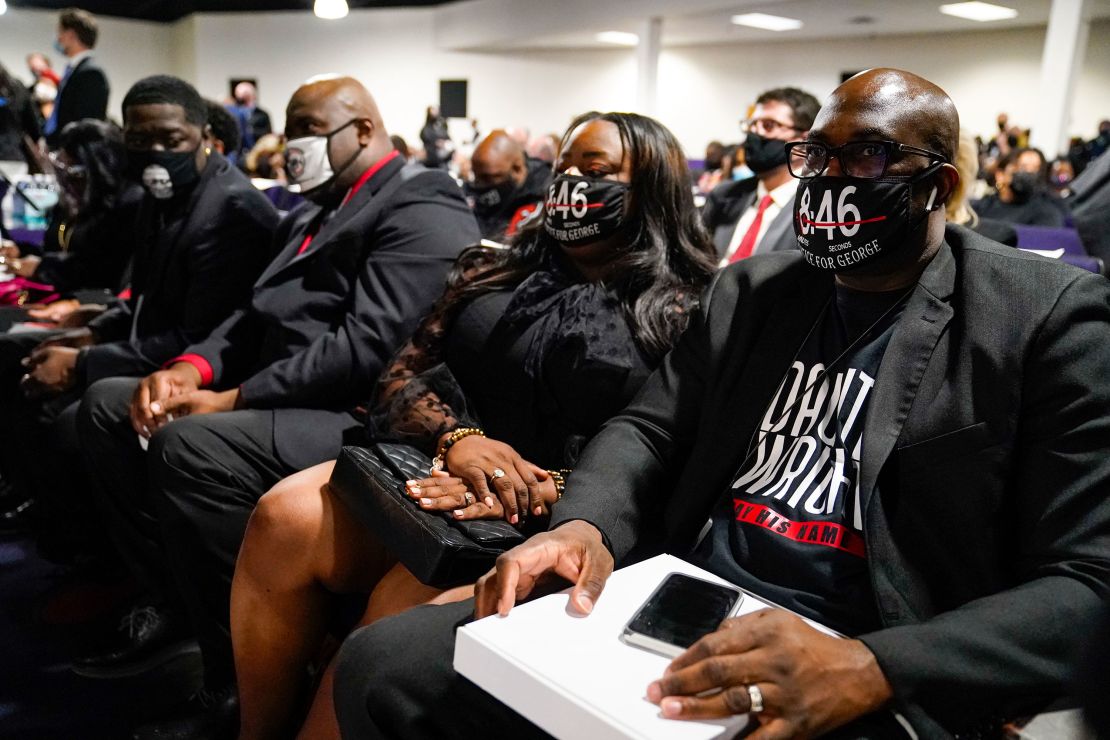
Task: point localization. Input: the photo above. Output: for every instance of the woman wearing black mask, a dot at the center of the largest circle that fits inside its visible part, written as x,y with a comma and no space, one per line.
85,244
1021,195
536,345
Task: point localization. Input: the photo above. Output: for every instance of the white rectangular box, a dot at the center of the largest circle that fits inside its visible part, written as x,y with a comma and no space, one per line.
572,675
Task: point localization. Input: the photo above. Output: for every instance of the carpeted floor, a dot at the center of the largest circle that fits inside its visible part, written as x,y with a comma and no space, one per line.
44,621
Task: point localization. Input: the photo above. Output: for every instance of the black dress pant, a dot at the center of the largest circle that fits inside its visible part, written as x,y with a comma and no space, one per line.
178,511
394,679
38,438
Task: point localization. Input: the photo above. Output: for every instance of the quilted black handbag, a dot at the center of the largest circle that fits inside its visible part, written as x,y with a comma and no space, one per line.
439,550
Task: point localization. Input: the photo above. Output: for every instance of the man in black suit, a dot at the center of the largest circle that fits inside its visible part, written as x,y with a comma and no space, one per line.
507,187
276,387
898,454
752,216
83,91
202,235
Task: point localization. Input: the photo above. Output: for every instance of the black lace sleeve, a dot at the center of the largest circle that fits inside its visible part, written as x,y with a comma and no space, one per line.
417,398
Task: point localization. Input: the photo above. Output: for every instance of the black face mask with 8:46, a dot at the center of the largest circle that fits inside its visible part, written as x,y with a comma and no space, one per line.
842,223
581,210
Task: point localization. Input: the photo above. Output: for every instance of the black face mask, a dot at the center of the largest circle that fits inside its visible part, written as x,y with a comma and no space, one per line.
581,210
762,154
487,200
844,222
1024,185
163,174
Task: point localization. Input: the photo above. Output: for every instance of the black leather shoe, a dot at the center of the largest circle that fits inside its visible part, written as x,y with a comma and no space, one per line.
147,639
207,715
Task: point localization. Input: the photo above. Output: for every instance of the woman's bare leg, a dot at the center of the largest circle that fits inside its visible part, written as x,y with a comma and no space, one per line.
397,591
301,546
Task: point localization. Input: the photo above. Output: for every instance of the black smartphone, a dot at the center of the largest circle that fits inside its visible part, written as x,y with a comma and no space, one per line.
681,611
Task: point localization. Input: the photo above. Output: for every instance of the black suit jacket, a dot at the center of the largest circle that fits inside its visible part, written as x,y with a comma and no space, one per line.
188,274
83,95
988,425
322,324
723,208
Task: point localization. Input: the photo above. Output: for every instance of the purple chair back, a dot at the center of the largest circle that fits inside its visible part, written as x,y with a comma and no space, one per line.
1049,238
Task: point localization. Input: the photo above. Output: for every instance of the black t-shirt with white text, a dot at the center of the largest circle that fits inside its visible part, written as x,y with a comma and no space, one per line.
789,527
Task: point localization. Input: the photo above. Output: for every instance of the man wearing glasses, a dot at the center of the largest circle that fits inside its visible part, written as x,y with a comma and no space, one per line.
752,216
915,451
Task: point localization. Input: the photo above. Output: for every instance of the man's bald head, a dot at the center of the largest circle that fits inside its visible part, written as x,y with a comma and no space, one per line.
336,98
499,157
902,107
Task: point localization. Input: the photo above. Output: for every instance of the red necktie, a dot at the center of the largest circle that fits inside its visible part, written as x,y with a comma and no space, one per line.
747,244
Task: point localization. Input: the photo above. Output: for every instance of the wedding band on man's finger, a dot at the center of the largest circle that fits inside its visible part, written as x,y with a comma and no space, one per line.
468,497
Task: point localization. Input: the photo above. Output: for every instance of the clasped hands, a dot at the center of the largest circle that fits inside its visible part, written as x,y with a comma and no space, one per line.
52,365
485,479
172,393
810,682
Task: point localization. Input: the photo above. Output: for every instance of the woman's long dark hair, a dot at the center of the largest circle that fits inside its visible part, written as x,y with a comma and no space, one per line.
98,146
668,257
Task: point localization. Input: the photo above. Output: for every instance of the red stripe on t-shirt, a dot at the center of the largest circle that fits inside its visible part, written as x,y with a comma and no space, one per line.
827,534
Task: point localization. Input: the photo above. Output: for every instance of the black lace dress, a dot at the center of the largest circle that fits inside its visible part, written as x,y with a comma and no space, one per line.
540,367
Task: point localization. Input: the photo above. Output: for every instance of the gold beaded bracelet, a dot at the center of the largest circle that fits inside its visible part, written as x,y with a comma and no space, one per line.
441,454
560,478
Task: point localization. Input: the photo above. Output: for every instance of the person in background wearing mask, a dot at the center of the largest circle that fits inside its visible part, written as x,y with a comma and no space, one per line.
44,85
711,174
1021,192
505,187
252,121
83,89
752,216
200,238
856,464
274,389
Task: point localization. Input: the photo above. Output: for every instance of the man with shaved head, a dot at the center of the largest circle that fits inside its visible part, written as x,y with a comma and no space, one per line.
274,389
915,452
506,187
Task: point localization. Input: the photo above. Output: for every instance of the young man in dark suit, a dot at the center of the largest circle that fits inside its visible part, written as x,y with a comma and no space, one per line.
276,387
752,216
202,235
83,91
915,451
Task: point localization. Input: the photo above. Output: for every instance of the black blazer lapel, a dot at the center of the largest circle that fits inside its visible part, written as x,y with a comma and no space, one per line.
924,319
297,231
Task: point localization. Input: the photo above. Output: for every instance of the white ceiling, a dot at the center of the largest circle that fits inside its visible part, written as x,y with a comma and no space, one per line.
575,23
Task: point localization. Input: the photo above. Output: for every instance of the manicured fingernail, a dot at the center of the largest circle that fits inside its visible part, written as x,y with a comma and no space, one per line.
654,693
489,501
156,407
513,519
411,484
586,603
414,489
425,502
671,707
538,510
458,513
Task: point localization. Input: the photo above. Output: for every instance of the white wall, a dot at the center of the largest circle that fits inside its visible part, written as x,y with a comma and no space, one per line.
703,90
392,52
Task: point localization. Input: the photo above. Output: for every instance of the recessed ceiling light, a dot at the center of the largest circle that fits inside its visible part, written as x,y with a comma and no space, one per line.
977,11
767,22
330,9
622,38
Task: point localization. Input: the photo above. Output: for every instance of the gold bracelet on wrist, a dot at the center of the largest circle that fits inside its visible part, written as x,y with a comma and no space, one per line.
441,454
560,478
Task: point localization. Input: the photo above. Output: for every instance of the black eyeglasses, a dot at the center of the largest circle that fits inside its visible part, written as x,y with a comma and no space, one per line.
863,159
